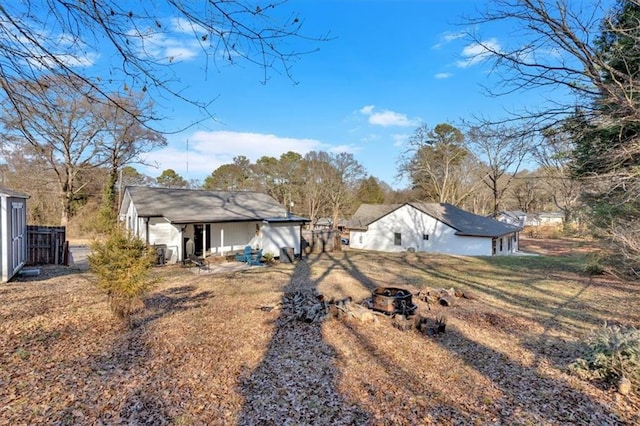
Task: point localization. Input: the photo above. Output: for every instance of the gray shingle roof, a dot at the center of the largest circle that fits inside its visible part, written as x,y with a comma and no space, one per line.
199,206
464,222
13,194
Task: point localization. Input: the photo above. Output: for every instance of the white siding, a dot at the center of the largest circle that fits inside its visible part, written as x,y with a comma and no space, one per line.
233,236
162,232
275,236
413,225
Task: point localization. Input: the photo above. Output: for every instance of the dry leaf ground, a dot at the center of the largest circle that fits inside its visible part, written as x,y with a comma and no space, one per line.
203,352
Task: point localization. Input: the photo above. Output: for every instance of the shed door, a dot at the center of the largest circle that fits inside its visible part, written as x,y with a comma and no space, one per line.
18,237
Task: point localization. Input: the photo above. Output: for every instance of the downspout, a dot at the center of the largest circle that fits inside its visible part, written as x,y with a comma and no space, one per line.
146,229
204,240
300,249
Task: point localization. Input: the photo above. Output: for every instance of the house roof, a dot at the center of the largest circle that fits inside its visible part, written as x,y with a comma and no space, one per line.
368,213
199,206
514,214
464,222
13,194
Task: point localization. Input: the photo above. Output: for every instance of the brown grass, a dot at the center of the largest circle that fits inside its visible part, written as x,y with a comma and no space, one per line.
203,352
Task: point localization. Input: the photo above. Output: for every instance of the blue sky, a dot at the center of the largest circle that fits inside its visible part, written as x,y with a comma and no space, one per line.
390,66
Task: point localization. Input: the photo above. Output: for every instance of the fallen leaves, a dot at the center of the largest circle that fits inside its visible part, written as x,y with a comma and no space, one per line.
202,353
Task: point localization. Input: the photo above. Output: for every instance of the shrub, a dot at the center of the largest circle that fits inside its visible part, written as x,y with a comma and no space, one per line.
594,264
613,354
122,263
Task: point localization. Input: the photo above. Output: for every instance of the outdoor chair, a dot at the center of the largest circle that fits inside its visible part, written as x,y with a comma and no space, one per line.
245,255
255,259
200,263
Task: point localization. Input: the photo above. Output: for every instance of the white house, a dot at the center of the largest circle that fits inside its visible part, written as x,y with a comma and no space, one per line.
546,218
13,233
430,227
211,223
513,217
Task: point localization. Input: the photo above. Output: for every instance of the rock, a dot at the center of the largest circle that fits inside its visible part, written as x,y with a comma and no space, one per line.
624,386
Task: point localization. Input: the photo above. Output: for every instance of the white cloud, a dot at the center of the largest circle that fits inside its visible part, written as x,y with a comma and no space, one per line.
185,26
367,110
448,37
478,52
210,150
163,47
443,75
386,118
399,139
350,149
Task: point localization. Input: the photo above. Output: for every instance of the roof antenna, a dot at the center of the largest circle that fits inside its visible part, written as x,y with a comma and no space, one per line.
187,159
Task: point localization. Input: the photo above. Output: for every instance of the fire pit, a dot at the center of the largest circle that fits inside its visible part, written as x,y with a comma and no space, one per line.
391,300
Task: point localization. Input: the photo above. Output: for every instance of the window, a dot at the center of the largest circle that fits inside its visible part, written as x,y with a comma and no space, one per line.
425,237
397,239
500,244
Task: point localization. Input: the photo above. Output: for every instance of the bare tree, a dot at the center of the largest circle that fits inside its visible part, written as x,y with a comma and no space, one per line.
330,184
315,197
527,192
554,155
65,39
553,48
124,139
502,149
587,57
52,122
341,179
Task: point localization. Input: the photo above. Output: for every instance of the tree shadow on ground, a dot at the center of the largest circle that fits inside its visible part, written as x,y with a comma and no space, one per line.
124,373
296,382
526,386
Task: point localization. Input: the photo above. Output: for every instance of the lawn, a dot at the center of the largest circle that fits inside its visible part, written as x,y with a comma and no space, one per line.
206,348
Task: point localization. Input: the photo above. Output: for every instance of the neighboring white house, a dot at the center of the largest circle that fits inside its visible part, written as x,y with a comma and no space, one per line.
545,218
211,223
512,217
430,227
13,233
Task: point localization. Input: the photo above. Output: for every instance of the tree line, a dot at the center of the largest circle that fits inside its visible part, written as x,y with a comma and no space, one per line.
71,173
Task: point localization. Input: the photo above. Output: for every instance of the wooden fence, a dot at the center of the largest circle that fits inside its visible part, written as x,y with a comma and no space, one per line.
47,245
321,241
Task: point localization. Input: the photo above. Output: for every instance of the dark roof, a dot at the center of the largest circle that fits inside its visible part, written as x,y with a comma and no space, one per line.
13,194
199,206
464,222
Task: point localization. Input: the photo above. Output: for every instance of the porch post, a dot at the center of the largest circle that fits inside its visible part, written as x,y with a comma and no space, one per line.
204,240
222,241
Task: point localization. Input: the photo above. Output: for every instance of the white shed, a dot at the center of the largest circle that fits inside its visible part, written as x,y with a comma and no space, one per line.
13,233
210,223
430,227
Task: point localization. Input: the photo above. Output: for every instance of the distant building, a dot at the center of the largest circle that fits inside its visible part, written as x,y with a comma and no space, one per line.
429,227
512,217
545,218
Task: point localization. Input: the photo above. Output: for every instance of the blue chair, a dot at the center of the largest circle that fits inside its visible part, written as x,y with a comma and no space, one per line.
245,255
255,259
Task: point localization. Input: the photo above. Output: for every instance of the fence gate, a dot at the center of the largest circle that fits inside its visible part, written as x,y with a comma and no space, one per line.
47,245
